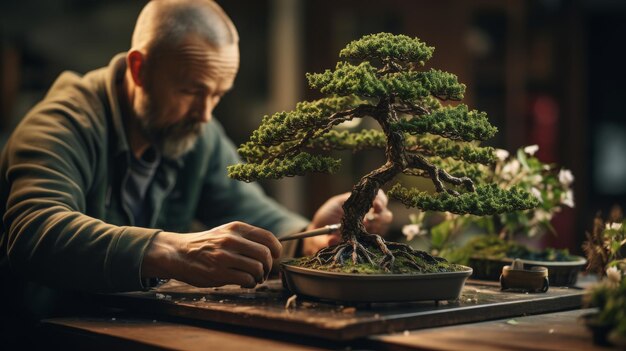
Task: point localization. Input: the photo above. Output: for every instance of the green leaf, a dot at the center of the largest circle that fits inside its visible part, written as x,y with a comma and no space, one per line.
440,234
521,156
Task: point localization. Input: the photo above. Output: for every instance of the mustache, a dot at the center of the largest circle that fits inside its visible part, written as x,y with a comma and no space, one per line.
182,128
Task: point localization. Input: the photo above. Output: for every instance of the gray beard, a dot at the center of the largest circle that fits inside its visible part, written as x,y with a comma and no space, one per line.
175,148
172,142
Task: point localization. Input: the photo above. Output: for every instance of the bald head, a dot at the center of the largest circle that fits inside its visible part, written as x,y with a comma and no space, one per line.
166,23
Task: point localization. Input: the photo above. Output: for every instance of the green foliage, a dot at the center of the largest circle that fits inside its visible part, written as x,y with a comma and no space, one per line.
300,164
345,140
456,123
442,148
487,199
366,80
388,46
293,125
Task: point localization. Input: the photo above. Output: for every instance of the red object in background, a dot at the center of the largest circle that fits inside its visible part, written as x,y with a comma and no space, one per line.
544,126
544,131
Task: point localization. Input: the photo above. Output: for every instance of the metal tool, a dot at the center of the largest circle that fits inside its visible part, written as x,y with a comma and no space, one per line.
328,229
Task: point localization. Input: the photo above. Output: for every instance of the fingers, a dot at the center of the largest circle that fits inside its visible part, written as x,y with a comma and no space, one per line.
310,246
254,243
235,244
240,263
260,236
241,278
379,217
333,239
380,202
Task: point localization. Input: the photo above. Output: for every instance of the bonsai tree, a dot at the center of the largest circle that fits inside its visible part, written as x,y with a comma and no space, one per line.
381,77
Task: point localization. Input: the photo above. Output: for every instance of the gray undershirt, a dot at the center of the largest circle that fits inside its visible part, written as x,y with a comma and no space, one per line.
140,175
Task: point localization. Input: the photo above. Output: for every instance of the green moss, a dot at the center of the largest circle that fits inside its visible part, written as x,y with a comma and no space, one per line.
400,266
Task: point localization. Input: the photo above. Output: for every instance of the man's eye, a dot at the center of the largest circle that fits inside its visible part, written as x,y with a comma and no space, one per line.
189,92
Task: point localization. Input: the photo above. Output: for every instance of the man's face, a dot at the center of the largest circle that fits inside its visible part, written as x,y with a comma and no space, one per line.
180,91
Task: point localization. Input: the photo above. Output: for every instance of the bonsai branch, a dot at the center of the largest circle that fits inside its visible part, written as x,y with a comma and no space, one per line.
335,119
439,175
412,109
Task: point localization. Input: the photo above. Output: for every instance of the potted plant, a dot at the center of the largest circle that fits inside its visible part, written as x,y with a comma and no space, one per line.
496,240
605,248
381,77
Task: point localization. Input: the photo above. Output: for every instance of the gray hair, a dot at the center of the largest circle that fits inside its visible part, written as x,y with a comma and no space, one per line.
165,23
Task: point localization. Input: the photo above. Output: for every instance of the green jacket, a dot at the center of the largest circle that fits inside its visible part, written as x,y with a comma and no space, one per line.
64,224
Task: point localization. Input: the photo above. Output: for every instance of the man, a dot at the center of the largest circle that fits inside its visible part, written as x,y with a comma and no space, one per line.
103,175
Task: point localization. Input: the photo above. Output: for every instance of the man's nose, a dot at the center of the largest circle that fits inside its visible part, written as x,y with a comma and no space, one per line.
205,110
205,115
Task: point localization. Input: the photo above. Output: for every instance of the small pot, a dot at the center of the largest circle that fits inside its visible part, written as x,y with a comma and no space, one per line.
516,277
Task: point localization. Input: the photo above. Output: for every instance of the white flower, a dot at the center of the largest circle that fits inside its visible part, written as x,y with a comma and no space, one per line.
566,177
568,199
511,169
535,179
411,231
614,226
534,230
542,215
502,154
537,193
531,149
614,275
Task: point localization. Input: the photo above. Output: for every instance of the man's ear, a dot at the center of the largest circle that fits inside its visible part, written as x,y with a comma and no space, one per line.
135,61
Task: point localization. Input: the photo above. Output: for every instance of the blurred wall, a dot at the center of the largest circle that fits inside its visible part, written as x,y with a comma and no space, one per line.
547,72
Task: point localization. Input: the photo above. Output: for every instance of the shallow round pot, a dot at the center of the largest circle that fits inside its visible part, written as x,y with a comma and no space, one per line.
354,287
561,273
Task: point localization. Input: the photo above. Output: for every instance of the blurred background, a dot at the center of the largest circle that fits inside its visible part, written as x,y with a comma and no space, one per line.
547,72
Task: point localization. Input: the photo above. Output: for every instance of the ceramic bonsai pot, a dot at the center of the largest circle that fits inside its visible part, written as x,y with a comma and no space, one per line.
560,273
351,287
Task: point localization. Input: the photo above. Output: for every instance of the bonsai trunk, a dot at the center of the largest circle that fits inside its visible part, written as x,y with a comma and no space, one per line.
364,192
360,201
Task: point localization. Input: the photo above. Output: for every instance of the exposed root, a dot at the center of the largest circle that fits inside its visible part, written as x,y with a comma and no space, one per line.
362,251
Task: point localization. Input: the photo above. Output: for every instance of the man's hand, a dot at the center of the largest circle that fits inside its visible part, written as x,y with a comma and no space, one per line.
376,221
235,253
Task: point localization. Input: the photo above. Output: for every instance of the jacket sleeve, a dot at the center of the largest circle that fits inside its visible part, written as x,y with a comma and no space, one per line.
51,165
224,199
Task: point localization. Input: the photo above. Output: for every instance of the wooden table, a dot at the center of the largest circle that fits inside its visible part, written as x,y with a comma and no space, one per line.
180,317
264,308
553,331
